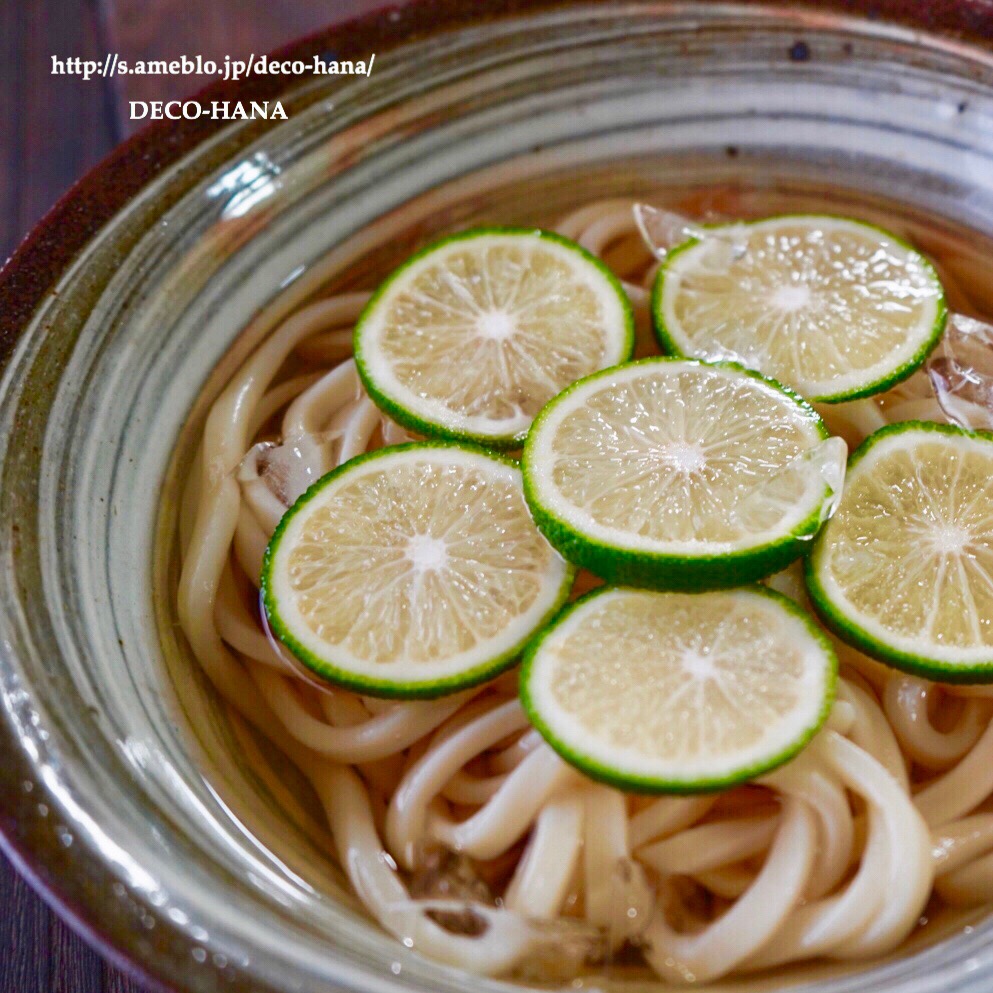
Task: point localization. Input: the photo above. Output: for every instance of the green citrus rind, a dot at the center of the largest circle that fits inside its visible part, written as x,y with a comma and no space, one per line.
417,422
854,634
661,571
327,668
612,776
668,343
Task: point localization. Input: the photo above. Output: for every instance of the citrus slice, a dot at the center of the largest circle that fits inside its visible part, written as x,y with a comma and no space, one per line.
470,337
411,572
676,474
904,570
679,692
834,308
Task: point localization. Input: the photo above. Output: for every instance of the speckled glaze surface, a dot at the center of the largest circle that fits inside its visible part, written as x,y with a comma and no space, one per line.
121,790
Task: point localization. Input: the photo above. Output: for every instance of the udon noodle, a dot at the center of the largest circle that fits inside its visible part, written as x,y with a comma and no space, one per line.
469,839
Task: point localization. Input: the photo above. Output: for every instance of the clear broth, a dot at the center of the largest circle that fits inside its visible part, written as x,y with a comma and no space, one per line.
303,853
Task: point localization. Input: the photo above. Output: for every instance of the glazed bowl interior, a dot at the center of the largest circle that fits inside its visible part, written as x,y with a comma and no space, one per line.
130,787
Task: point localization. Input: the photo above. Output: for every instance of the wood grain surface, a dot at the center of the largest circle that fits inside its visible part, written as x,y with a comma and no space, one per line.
52,129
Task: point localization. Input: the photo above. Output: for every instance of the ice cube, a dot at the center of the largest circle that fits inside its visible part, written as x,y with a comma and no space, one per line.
288,468
775,494
662,230
961,373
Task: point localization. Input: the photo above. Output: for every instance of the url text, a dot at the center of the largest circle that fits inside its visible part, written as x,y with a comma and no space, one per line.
229,69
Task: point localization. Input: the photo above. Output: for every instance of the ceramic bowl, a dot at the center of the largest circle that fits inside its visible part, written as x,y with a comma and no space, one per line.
123,793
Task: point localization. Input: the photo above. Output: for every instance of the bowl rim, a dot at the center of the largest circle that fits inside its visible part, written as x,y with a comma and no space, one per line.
59,875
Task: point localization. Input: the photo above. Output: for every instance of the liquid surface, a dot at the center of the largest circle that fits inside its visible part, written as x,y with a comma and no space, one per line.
289,819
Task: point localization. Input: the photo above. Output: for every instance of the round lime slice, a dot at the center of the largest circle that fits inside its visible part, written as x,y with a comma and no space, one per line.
470,337
679,692
411,572
904,570
834,308
676,474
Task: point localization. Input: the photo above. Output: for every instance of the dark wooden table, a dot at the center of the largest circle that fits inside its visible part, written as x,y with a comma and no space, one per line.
52,129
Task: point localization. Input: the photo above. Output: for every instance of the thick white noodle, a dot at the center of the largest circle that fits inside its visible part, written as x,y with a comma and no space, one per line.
829,856
906,702
752,921
541,880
